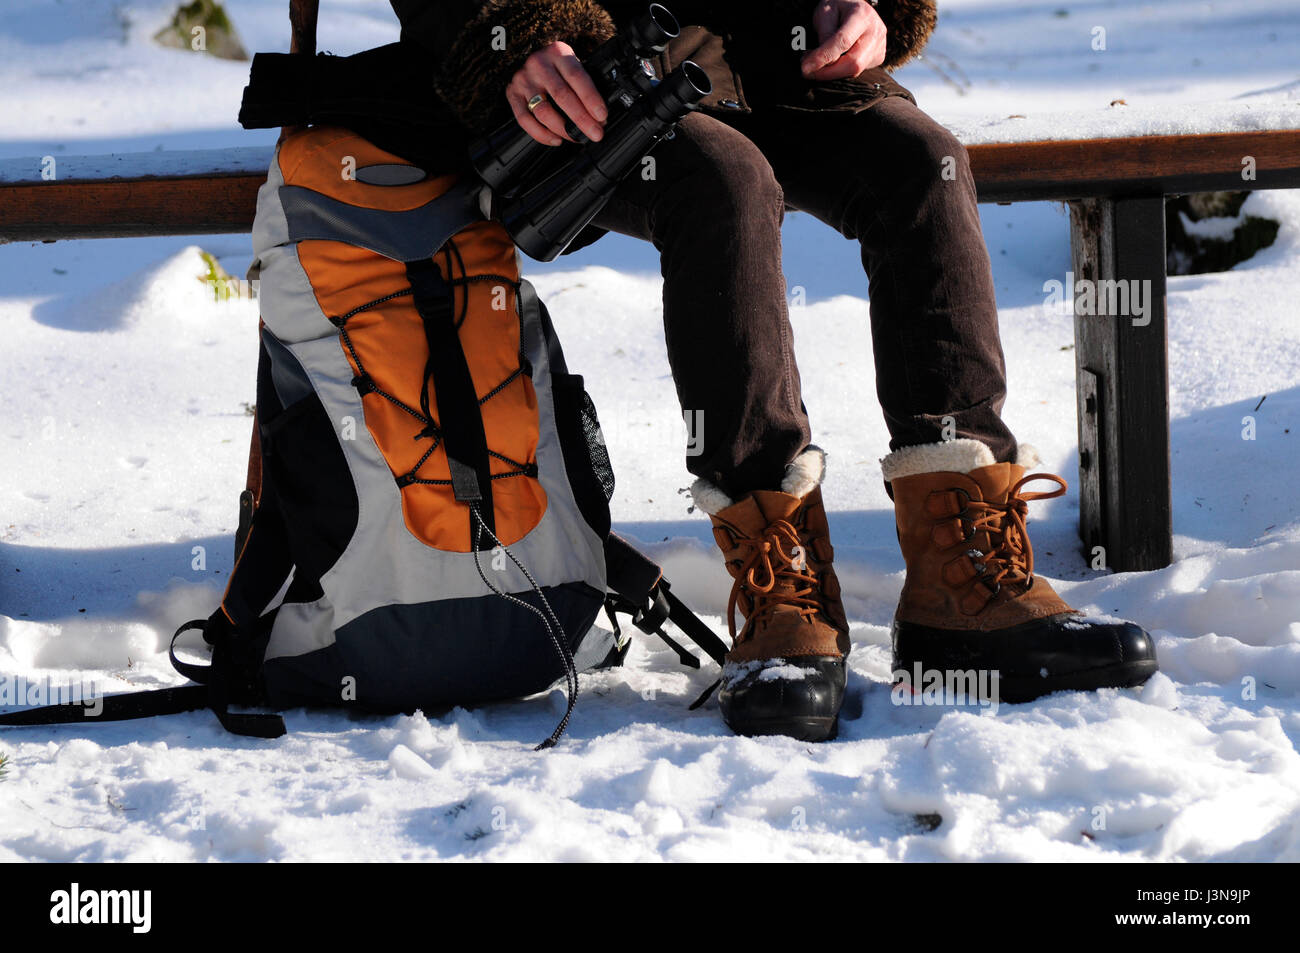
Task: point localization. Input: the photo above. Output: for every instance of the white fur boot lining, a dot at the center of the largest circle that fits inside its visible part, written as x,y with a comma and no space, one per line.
948,456
802,474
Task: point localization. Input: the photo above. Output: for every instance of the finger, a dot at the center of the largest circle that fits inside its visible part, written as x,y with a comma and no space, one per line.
548,117
518,105
552,119
580,82
826,17
825,54
876,48
857,58
837,44
537,76
568,102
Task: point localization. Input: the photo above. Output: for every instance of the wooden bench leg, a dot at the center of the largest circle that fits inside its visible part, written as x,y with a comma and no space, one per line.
1122,367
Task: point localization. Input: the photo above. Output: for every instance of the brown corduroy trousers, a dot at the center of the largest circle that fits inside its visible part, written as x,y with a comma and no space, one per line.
888,177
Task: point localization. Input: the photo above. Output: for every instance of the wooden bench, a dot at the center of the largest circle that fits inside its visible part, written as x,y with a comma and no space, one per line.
1115,189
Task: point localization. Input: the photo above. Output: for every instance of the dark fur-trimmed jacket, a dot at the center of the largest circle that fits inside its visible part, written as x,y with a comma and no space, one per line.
746,48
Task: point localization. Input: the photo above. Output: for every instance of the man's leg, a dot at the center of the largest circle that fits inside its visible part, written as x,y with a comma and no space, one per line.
714,210
900,184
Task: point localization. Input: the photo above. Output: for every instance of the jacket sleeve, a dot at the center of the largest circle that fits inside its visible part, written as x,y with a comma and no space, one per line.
908,23
476,47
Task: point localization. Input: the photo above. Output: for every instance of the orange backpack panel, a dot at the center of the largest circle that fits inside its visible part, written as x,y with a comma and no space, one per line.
384,338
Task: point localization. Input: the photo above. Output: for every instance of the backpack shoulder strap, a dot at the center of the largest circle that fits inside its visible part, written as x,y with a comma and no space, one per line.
262,566
642,592
230,679
124,707
212,691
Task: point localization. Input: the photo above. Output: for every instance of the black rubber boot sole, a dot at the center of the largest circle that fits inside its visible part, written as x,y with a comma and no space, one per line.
1119,675
806,709
801,729
1054,654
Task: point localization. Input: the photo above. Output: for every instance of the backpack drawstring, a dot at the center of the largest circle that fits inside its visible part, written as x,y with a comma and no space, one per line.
548,617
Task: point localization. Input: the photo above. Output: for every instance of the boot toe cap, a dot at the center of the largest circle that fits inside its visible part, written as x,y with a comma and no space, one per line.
1135,643
1082,642
797,697
1062,652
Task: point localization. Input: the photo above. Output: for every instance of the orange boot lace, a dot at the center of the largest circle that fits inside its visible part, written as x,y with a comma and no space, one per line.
776,573
1011,557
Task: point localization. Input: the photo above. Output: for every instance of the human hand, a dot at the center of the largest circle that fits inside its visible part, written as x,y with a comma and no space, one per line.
851,37
567,89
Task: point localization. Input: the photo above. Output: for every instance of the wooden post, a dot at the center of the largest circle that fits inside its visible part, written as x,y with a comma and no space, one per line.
1121,362
302,39
302,23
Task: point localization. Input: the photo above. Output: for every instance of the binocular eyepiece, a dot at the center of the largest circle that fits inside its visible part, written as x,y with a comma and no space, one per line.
649,33
544,195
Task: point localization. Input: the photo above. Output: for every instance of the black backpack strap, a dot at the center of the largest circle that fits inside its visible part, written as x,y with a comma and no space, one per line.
642,592
236,630
460,421
214,691
231,679
265,559
125,707
699,633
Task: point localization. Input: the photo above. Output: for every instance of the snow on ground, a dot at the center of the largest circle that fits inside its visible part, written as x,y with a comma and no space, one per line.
126,436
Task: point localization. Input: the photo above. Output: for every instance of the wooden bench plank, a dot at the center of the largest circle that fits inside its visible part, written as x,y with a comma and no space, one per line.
184,192
186,205
1168,165
181,193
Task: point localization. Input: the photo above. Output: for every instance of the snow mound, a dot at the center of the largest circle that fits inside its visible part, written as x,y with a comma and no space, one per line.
170,297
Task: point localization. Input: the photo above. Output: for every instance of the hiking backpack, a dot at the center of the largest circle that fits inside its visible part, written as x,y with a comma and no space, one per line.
427,518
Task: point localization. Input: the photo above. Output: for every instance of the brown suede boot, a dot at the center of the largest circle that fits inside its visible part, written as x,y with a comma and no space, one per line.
971,600
785,673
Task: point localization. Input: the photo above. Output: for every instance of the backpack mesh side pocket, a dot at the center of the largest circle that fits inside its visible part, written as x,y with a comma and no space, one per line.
595,437
585,459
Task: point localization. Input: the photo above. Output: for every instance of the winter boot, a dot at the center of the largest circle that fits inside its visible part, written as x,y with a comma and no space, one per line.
970,598
785,672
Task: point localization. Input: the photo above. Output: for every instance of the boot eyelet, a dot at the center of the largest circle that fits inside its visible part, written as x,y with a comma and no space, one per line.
965,507
967,524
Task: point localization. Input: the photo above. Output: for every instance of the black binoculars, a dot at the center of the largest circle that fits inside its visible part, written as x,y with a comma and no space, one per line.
544,195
